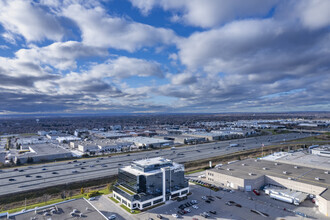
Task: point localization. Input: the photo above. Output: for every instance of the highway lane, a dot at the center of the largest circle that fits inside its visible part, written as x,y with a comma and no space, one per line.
40,176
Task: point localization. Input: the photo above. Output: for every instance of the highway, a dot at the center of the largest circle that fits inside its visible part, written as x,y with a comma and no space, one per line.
39,176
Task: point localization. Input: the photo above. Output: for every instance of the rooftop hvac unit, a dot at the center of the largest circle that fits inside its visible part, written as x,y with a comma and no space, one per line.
326,172
284,172
265,168
317,178
296,167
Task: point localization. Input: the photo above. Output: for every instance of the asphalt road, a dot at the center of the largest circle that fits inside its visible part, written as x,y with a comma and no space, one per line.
40,176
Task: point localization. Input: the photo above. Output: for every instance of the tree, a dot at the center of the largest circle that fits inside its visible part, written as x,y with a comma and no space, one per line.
82,190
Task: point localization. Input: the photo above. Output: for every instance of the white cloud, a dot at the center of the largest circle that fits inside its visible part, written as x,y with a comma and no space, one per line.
124,67
61,55
208,13
102,30
314,14
29,20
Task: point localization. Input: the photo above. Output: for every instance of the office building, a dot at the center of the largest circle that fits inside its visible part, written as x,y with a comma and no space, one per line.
149,182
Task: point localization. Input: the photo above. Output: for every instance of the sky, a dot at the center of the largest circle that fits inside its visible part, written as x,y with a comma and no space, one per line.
164,56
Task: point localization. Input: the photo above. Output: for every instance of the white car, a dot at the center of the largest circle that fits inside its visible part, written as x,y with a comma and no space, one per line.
175,215
194,201
195,206
204,197
112,216
91,198
187,210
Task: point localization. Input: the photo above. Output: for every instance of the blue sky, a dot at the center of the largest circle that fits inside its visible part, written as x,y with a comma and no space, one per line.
164,56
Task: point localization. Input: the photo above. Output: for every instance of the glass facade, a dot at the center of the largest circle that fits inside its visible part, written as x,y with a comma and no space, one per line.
151,185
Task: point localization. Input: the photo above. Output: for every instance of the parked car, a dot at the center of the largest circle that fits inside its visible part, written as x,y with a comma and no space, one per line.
113,216
175,215
159,216
204,197
213,212
255,191
195,206
208,201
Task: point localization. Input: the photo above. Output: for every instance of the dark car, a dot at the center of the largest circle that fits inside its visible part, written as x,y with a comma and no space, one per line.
238,205
75,161
28,176
159,216
208,201
54,172
213,212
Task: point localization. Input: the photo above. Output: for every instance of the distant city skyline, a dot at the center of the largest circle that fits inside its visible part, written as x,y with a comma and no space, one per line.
164,56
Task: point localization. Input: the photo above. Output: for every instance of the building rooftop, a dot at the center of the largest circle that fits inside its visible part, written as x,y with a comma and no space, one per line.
256,168
152,161
44,149
62,211
151,166
145,140
301,158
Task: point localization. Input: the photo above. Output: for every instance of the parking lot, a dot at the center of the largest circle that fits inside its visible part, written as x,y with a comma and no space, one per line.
223,204
230,204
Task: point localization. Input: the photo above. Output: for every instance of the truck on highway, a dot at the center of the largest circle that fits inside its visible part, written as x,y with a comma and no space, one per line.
234,145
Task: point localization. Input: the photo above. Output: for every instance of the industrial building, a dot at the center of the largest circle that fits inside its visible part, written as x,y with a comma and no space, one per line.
103,145
110,135
323,151
42,152
148,182
70,209
147,142
67,138
252,174
183,139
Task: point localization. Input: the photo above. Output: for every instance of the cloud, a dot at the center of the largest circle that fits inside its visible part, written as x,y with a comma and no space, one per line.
102,30
125,67
208,13
61,55
183,78
30,20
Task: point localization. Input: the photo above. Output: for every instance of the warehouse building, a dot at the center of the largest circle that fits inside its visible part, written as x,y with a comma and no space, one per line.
42,152
148,182
252,174
110,135
103,145
147,142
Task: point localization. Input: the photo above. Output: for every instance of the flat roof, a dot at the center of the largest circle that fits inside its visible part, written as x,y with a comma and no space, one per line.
64,210
302,174
145,140
151,161
44,149
300,158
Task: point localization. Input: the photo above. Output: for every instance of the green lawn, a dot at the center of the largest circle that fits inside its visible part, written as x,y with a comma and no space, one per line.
129,210
113,199
126,190
194,171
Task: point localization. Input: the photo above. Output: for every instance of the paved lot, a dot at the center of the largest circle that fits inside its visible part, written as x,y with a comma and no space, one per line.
108,207
275,209
40,176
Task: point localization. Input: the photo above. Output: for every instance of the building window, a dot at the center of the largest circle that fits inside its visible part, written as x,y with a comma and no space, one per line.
146,205
158,201
184,192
